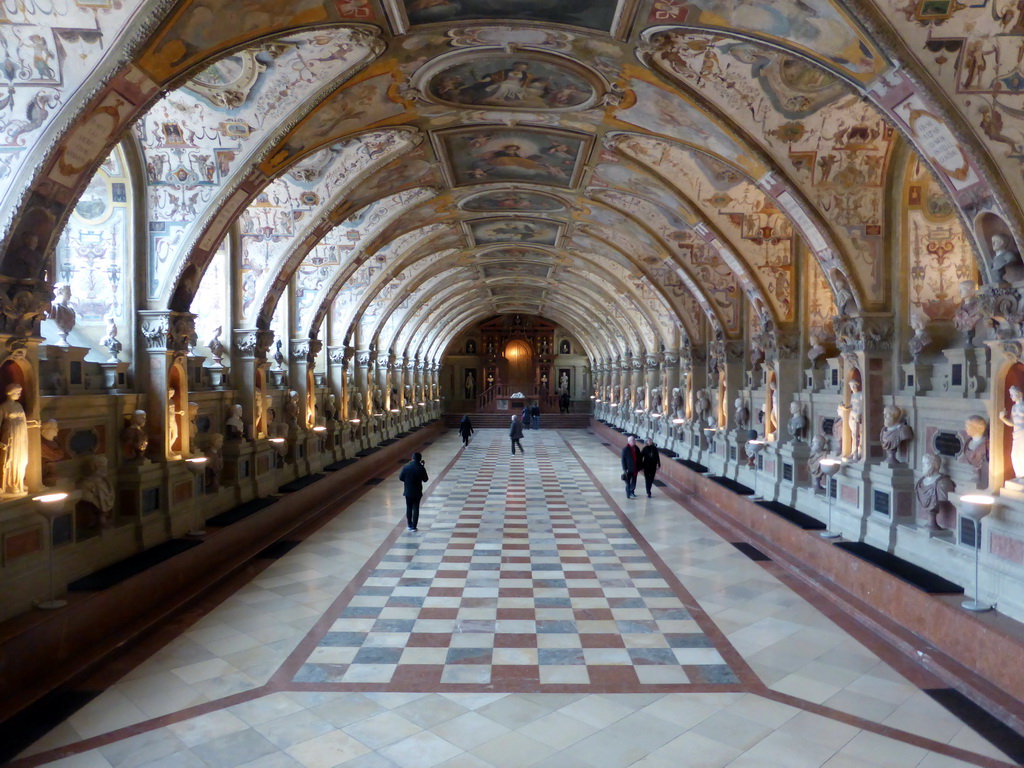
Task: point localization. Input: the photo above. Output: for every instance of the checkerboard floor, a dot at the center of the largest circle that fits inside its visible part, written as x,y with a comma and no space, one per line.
522,577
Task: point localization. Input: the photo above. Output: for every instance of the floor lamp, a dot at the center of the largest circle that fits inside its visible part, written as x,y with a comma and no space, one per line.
51,505
829,467
754,448
974,508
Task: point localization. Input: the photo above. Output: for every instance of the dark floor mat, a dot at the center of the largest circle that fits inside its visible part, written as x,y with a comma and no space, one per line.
400,435
366,452
136,564
278,549
240,512
914,575
389,441
374,481
795,516
750,551
659,484
732,485
35,721
1000,735
340,465
696,466
302,482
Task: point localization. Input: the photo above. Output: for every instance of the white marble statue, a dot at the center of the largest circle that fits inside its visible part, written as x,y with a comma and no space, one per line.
678,411
819,450
13,442
1016,420
816,351
1003,256
234,427
172,419
741,414
216,346
921,339
856,417
111,342
62,313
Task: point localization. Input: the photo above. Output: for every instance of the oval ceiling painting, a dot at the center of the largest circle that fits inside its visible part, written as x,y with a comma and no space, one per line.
513,200
513,82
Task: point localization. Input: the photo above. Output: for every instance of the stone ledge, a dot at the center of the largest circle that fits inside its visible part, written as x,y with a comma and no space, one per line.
40,651
977,654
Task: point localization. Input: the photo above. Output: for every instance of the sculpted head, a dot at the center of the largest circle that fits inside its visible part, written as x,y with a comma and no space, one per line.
49,429
139,418
1015,394
891,415
930,464
975,426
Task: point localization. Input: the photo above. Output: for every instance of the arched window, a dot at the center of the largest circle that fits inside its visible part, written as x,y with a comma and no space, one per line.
210,304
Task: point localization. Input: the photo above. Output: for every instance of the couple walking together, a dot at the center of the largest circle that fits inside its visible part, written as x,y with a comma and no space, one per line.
636,459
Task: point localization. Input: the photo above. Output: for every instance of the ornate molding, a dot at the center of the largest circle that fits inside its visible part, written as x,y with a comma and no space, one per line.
253,343
306,349
167,331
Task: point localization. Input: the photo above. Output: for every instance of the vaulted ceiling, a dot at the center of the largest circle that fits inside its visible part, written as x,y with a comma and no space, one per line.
642,172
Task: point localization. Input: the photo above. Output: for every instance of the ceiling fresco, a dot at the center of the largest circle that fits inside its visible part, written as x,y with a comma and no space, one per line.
682,168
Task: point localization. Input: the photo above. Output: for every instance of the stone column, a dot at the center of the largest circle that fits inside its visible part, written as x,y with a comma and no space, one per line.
165,337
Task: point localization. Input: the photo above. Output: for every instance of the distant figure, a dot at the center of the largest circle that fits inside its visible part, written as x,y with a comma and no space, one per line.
526,416
413,475
564,403
651,459
632,462
535,413
515,434
465,429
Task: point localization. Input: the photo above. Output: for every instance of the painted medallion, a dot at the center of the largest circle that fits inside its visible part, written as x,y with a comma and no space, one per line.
512,82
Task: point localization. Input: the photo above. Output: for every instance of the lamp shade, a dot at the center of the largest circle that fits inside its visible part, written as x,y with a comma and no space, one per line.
754,447
829,467
976,506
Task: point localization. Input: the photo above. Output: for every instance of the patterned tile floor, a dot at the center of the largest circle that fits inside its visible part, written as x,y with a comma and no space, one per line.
521,579
531,622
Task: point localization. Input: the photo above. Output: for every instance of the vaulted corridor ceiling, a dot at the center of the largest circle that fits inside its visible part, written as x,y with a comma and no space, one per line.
644,173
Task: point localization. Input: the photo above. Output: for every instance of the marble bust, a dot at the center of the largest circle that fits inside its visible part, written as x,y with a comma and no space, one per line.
933,490
134,439
1003,256
741,414
895,433
975,451
818,452
797,423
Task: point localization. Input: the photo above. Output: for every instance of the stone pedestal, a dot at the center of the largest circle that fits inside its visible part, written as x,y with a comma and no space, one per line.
890,502
62,369
963,374
793,471
142,499
814,379
217,376
915,378
115,376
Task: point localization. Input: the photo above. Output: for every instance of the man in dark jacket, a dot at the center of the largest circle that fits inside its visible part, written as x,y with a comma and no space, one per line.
651,457
632,461
414,475
515,434
535,413
465,429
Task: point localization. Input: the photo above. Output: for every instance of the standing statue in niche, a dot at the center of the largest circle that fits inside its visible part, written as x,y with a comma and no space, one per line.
13,442
895,433
741,414
50,450
839,428
134,440
62,313
1016,420
234,427
470,385
1003,256
98,492
172,420
933,490
975,452
968,314
818,452
797,424
856,415
563,383
111,342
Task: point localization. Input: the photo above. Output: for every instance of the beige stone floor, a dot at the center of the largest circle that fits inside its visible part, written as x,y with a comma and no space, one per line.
836,685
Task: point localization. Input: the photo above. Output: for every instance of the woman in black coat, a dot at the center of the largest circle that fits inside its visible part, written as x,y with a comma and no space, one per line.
465,429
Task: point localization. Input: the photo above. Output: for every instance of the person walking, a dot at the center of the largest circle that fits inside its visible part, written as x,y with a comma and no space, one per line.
535,413
651,459
414,475
515,434
632,462
465,429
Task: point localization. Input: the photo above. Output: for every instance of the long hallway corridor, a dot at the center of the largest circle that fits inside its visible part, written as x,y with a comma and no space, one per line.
538,618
